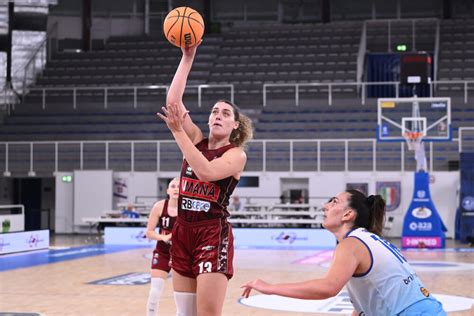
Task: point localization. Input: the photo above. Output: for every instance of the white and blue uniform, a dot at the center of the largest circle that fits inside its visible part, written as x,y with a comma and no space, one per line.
390,286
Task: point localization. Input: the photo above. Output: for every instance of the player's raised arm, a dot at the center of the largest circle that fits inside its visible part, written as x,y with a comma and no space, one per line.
176,92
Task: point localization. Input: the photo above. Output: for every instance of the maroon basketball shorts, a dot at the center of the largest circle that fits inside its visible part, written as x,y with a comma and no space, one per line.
161,260
202,247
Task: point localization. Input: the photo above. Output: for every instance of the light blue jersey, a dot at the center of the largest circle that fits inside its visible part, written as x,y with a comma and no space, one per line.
390,286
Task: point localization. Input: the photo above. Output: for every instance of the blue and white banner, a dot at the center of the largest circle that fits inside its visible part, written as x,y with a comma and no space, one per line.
243,237
283,238
24,241
127,236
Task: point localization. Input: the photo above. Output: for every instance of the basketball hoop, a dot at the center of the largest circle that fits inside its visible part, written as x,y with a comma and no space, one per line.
413,140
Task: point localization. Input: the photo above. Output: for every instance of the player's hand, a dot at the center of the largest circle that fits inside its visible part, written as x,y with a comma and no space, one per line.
190,51
166,238
258,285
174,117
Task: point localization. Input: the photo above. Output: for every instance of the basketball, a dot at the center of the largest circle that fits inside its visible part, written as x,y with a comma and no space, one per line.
183,27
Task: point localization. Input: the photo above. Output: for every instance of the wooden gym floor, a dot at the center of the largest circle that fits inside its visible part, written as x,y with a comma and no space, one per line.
62,288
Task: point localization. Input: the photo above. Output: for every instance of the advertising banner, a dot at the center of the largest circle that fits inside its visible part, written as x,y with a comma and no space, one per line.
24,241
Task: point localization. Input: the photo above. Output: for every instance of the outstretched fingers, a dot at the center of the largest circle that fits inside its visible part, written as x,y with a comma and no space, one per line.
246,292
161,116
173,117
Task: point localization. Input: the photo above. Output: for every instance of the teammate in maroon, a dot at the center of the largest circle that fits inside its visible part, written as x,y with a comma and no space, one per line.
162,215
202,251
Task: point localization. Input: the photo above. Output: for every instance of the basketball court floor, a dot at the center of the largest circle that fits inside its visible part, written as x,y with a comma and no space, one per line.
79,278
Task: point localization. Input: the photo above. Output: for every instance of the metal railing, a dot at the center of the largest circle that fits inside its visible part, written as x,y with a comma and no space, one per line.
263,155
26,74
33,67
363,95
36,63
134,89
326,88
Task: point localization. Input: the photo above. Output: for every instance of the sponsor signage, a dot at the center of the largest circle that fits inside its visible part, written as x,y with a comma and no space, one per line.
422,242
24,241
422,226
243,237
468,203
283,238
195,205
127,236
199,189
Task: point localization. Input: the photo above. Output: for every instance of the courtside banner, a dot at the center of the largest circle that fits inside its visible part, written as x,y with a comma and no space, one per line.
24,241
127,236
283,238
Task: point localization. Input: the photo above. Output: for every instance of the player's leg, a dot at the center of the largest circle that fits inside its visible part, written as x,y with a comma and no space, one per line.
184,295
160,268
427,307
211,290
213,266
158,279
184,283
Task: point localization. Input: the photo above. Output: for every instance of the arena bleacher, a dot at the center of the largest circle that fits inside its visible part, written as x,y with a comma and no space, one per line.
113,93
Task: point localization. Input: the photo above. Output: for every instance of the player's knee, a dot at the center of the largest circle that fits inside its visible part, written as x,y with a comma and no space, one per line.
185,304
209,308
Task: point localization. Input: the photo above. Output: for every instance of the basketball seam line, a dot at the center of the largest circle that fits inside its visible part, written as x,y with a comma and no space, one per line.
192,30
182,24
173,25
187,17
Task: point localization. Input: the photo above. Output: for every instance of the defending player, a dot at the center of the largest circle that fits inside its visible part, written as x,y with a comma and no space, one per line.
378,278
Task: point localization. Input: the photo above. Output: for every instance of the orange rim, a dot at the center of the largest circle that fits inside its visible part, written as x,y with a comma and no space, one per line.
413,135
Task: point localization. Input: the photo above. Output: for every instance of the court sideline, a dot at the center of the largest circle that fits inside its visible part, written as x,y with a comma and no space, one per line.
62,288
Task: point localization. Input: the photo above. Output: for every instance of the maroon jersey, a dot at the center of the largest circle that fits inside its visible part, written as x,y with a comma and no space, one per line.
165,223
201,200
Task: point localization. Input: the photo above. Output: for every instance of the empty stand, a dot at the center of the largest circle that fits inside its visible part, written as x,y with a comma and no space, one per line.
456,56
76,105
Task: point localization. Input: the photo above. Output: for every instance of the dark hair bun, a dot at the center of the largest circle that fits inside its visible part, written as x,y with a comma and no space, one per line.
371,200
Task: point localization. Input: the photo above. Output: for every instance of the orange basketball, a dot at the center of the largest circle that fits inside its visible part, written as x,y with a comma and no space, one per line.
183,27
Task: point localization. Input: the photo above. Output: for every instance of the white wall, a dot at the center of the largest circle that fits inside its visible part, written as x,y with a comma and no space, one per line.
92,193
141,183
323,184
64,204
327,184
